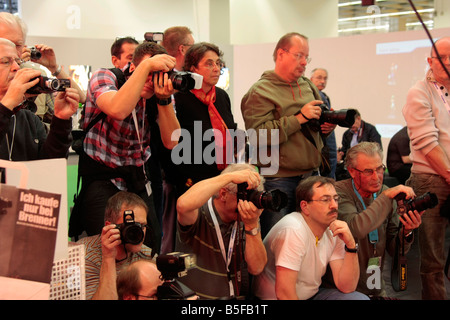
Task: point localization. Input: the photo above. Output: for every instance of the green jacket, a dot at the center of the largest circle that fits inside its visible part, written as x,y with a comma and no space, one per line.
271,103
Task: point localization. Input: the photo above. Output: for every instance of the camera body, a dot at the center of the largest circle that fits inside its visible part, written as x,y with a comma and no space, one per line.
426,201
174,265
343,118
274,200
49,85
182,80
156,37
130,231
35,53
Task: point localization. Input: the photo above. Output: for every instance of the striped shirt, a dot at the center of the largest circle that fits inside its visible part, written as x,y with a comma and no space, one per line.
210,278
115,143
93,261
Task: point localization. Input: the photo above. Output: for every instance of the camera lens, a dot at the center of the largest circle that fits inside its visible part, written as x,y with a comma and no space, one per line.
132,234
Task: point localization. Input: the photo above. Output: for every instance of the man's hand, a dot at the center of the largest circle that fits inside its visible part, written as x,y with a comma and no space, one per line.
391,193
48,58
110,240
161,62
411,220
66,103
20,83
249,214
340,228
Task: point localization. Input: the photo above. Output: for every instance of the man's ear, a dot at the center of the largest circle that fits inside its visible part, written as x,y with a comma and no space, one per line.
114,60
132,67
303,205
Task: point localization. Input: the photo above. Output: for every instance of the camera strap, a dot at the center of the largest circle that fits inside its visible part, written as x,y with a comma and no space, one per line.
226,256
373,235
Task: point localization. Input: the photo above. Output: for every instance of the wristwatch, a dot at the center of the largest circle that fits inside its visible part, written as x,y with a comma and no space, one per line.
164,102
254,231
354,250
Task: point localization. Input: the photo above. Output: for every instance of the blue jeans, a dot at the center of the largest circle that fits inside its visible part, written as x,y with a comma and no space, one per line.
288,185
335,294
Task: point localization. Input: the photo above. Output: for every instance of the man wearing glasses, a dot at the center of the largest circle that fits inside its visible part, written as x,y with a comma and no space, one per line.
22,135
427,115
284,99
369,208
303,243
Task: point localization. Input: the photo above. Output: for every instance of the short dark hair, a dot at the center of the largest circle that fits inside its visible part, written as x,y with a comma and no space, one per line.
147,48
305,191
285,42
197,52
116,48
113,210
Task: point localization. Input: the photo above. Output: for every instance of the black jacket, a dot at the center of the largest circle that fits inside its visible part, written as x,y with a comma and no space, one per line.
368,133
31,141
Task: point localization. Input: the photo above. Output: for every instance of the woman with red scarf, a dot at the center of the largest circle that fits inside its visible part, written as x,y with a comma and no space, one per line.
199,111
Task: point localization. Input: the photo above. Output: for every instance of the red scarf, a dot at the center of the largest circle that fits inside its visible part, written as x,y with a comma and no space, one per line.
223,139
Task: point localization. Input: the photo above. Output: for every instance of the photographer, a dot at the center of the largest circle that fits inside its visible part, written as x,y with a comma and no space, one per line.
211,224
22,135
427,115
113,249
284,99
369,208
139,281
117,147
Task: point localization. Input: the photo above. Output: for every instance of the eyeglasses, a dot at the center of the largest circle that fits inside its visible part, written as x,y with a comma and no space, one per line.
369,172
211,64
443,58
327,199
299,56
8,61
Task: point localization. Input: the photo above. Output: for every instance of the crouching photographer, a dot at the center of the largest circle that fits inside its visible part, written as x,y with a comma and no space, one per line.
223,233
119,244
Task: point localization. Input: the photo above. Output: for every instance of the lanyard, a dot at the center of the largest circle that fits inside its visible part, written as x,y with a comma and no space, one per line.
373,235
444,100
136,123
226,257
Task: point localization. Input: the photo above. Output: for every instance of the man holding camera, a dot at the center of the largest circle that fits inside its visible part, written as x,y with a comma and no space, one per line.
117,245
22,135
303,243
117,147
211,224
369,208
285,100
427,115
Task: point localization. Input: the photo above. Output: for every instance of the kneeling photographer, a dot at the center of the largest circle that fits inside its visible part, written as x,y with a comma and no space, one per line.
370,209
119,244
223,232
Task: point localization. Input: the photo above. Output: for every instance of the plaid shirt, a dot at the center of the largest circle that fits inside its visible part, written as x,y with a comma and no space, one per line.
115,143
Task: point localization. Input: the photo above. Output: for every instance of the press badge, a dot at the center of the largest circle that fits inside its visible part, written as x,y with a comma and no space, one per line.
374,263
148,187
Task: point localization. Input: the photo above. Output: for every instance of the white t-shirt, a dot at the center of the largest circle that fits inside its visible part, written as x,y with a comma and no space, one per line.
291,244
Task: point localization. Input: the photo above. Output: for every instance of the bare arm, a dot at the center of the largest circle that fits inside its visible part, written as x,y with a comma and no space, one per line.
189,203
285,283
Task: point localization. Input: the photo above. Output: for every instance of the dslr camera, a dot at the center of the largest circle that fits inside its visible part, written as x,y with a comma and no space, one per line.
172,266
426,201
182,80
274,200
131,231
343,118
49,85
